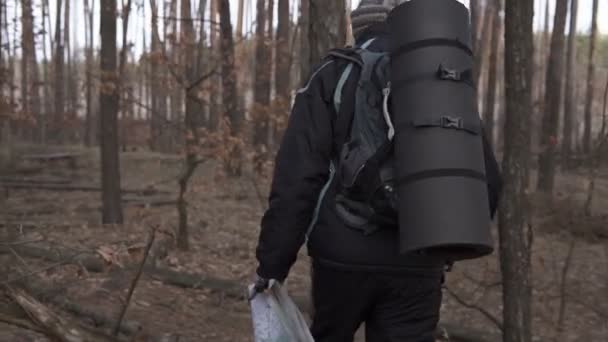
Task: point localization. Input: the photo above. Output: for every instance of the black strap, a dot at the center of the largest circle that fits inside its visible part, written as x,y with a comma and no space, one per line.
444,74
432,42
437,173
449,122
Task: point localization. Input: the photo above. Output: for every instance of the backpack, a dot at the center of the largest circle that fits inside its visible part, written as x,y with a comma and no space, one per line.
365,197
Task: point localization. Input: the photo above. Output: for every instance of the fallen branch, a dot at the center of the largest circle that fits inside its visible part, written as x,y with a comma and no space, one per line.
46,292
134,284
54,325
20,323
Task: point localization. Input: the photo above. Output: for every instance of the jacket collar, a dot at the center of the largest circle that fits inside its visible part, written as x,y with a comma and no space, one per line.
379,31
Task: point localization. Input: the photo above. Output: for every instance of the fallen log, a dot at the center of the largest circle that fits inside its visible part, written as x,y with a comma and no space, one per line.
55,295
54,325
91,261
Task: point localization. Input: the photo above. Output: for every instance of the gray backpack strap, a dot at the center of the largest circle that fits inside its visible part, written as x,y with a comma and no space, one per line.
344,77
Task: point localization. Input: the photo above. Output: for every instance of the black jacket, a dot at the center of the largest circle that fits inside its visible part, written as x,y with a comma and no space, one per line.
302,170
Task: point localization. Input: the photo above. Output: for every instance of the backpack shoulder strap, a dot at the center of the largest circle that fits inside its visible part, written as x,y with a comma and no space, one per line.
348,70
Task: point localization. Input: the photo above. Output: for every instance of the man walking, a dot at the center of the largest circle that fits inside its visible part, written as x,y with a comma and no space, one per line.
359,276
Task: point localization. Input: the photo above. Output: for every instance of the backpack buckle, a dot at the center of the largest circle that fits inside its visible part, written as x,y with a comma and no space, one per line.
448,74
451,122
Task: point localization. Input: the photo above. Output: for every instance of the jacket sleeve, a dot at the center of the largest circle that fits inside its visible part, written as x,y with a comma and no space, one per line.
493,176
301,171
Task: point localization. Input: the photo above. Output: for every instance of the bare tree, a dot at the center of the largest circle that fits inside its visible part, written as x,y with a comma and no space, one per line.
282,73
554,81
30,85
590,80
490,105
484,39
569,97
515,243
59,81
108,108
44,113
261,88
303,24
240,17
230,100
88,125
192,122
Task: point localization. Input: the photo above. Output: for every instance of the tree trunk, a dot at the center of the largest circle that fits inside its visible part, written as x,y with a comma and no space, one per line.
570,99
490,105
484,40
239,23
215,112
554,81
30,85
122,75
230,100
69,84
514,242
326,28
544,52
44,114
261,88
304,55
282,72
108,105
59,83
587,137
88,122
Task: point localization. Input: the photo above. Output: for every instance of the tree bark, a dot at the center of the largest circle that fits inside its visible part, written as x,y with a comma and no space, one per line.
44,114
282,73
490,105
59,81
587,136
88,125
261,90
240,16
230,99
303,24
326,28
554,81
30,85
215,112
108,104
512,219
123,77
570,99
484,39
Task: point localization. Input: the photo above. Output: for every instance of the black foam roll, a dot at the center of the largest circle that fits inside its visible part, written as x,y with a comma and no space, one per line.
443,197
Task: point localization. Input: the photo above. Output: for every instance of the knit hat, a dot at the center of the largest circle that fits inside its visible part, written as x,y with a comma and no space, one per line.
370,12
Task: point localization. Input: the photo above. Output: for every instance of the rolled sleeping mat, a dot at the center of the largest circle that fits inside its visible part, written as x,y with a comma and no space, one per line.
440,170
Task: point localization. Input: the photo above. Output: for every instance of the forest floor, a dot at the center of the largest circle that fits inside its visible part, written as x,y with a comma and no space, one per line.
224,224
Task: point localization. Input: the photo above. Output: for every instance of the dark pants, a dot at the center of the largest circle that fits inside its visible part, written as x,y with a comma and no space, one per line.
394,307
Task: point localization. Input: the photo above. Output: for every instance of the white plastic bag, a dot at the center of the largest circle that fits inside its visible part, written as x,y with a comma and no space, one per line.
276,317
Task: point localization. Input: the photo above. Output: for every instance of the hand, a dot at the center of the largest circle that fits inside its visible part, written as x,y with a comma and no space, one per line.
259,286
